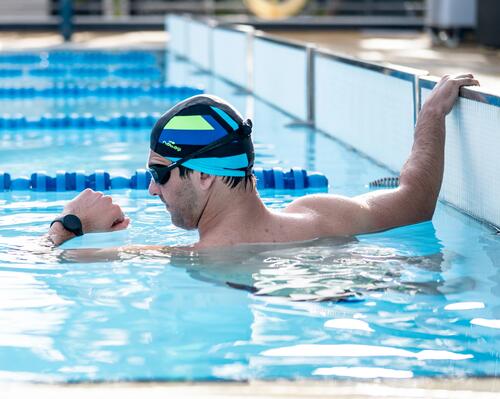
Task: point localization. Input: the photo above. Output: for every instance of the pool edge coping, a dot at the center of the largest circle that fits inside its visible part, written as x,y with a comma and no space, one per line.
480,388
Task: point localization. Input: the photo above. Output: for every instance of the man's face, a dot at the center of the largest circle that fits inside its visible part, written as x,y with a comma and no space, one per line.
178,194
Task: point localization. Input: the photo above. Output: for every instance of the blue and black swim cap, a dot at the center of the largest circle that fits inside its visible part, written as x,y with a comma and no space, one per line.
198,122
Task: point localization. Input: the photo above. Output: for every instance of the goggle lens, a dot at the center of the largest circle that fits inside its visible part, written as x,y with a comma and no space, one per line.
160,173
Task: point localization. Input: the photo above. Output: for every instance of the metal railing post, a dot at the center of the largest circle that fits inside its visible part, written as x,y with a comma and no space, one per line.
310,83
250,59
66,14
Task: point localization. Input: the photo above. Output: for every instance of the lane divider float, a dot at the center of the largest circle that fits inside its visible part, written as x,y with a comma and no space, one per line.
100,180
79,57
385,182
79,121
79,72
105,90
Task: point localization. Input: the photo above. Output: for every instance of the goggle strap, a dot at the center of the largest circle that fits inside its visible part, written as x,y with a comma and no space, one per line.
209,147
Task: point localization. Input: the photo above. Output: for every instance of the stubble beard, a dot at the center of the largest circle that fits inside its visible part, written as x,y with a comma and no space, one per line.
184,216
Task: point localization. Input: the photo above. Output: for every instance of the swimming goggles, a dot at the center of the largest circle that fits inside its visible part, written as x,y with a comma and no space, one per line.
161,173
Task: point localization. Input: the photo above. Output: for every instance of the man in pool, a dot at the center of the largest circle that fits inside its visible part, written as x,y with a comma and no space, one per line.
201,157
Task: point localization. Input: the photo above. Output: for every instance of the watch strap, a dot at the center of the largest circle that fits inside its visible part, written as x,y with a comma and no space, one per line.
75,228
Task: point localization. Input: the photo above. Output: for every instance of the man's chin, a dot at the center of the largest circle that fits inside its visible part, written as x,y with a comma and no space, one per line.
181,223
183,226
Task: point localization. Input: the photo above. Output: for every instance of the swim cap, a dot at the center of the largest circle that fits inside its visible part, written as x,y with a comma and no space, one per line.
200,121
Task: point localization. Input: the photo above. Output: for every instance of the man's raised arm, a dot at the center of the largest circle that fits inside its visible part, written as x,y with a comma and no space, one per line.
420,179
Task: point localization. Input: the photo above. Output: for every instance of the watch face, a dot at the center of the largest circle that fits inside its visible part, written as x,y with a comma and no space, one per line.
72,223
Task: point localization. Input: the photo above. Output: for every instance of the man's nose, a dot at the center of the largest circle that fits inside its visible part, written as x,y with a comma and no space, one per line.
153,188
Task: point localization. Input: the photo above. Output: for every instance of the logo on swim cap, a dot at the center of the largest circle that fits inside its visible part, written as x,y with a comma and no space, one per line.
172,145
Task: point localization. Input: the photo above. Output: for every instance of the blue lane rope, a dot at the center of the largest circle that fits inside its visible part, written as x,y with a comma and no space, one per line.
82,71
72,91
79,121
11,73
79,57
100,180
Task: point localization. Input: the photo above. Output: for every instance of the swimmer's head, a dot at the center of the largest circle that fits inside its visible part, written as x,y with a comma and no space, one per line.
206,134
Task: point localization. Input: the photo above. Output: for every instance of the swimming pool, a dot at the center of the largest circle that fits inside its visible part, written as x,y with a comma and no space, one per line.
416,301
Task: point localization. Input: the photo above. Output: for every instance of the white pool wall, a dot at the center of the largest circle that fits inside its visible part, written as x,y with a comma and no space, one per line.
280,74
231,48
471,179
199,43
372,110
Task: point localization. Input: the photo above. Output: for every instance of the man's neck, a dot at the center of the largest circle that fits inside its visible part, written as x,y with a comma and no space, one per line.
231,217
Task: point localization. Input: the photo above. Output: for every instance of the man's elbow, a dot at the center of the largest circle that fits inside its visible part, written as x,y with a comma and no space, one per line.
426,215
426,209
422,205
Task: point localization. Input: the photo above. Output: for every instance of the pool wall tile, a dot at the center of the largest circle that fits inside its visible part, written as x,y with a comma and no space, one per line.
472,161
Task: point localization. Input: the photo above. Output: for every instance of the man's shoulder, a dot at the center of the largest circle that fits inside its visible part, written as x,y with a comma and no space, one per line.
318,203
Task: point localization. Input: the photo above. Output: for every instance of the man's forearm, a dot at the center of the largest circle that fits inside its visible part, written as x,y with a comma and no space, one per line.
422,173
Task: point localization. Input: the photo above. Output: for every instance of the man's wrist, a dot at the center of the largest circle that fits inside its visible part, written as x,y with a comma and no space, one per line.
431,111
58,234
71,223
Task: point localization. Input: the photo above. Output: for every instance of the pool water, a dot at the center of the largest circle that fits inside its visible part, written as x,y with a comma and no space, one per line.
422,300
91,67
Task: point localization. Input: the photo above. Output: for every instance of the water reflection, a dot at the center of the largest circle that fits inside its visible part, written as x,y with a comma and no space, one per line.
492,250
173,313
334,269
330,269
321,270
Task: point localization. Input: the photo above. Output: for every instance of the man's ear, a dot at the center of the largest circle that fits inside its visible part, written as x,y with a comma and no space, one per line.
206,180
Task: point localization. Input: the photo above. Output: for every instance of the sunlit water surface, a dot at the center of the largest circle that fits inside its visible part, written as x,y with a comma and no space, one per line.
395,304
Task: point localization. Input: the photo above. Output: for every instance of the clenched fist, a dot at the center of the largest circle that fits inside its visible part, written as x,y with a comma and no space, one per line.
96,212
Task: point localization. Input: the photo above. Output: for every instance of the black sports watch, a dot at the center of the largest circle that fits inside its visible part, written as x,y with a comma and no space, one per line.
72,223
